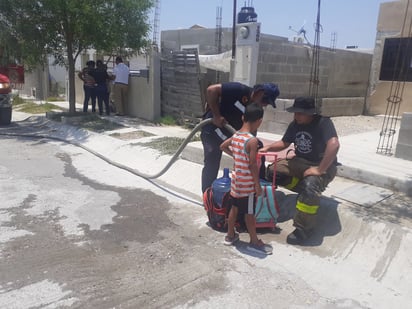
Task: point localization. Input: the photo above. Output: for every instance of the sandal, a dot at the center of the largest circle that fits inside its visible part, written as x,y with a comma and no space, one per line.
231,240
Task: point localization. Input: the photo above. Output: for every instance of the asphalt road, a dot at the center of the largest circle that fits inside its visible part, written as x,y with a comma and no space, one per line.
76,232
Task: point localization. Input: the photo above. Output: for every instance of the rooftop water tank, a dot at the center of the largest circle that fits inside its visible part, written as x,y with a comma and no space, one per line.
246,15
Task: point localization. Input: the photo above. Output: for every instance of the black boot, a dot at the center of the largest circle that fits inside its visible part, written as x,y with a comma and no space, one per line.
297,237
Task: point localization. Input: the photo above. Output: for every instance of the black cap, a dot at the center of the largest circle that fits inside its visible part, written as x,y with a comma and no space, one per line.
305,105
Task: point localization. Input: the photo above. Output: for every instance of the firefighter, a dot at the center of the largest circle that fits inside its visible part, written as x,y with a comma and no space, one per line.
312,168
226,103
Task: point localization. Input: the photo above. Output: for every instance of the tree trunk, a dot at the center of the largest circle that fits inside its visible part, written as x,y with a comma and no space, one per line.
72,85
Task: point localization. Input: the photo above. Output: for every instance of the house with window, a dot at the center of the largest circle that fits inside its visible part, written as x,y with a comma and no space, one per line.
391,71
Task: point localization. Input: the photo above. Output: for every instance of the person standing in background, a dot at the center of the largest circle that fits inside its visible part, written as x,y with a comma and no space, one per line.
101,77
88,85
121,85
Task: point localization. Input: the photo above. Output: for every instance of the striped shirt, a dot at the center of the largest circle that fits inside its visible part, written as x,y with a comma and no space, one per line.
242,179
88,79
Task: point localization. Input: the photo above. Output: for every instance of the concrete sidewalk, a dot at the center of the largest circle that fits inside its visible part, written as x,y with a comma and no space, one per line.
357,155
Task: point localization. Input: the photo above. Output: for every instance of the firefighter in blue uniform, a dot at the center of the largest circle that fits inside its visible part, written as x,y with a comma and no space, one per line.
226,104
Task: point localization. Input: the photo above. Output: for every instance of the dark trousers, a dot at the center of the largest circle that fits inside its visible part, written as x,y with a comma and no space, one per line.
102,97
212,156
289,174
89,93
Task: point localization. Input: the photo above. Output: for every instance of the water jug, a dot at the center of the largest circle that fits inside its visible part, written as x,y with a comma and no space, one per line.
220,187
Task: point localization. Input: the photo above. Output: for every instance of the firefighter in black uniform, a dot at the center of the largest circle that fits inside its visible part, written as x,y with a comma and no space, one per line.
312,168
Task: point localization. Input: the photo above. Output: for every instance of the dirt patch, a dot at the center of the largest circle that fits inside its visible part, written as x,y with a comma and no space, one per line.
131,135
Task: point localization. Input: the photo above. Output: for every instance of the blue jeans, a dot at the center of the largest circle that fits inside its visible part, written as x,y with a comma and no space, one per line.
89,93
102,97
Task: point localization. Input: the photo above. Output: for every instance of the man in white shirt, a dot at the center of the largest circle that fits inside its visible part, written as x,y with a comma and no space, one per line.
121,85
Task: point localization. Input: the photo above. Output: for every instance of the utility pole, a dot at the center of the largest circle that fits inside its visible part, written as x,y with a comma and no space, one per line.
155,41
234,30
232,61
218,37
314,74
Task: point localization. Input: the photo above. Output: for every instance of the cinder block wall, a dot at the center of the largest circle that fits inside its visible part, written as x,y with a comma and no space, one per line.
404,145
342,73
205,38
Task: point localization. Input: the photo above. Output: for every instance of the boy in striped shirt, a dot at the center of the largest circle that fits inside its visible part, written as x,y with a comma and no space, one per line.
245,186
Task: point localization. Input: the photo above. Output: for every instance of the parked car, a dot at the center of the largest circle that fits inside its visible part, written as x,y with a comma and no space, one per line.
5,100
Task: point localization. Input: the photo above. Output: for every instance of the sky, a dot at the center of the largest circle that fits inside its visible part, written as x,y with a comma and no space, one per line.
353,21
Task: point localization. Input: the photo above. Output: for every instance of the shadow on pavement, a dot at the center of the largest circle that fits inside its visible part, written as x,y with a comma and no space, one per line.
242,247
328,222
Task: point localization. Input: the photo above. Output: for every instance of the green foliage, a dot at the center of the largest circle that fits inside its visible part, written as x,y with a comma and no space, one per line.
168,120
44,27
66,28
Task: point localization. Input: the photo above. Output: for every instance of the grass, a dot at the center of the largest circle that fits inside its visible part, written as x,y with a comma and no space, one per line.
165,145
89,122
168,120
34,108
54,99
17,101
98,125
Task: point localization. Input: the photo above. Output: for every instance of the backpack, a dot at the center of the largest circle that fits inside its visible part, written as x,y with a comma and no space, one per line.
267,208
217,215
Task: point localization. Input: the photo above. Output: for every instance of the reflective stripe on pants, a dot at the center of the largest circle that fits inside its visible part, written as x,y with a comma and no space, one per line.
307,209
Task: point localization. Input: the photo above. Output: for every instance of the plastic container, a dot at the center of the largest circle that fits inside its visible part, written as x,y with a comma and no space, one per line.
220,187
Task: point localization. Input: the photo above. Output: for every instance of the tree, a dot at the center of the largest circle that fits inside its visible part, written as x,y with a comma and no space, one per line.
65,28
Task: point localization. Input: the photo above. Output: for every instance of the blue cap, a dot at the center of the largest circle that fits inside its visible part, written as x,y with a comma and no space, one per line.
270,92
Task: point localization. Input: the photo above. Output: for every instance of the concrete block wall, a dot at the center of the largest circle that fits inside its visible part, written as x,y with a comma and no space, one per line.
348,74
332,107
404,145
144,95
36,83
342,73
205,38
79,89
391,21
277,120
379,91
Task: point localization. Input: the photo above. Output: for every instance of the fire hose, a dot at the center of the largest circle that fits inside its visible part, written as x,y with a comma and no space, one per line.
119,165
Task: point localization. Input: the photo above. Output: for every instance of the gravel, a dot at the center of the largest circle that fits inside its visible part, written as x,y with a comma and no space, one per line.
348,125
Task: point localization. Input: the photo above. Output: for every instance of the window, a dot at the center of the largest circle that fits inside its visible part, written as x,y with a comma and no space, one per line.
397,60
